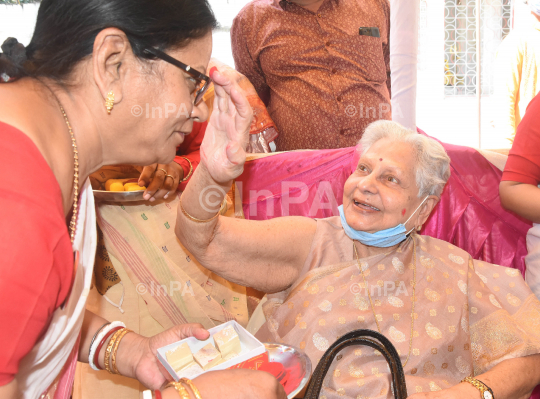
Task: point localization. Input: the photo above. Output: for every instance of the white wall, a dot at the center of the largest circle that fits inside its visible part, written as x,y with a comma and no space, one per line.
225,11
18,22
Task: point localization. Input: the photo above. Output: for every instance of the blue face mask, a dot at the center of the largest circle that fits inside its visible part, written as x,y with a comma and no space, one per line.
382,239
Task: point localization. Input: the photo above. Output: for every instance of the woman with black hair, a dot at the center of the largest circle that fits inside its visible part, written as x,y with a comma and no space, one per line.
69,108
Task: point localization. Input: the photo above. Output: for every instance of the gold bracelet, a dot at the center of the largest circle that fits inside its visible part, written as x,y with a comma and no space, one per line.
180,389
190,170
195,219
189,383
115,349
109,349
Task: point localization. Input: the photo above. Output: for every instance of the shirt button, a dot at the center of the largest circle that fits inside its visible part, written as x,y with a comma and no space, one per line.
334,71
319,15
339,98
327,44
342,132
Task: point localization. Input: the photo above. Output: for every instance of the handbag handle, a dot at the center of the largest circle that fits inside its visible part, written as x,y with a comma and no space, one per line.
370,338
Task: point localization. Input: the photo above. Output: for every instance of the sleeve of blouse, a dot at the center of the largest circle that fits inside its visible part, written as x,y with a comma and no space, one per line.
523,163
36,259
30,285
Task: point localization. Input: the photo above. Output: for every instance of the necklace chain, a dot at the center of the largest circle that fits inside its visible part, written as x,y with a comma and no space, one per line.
413,296
73,222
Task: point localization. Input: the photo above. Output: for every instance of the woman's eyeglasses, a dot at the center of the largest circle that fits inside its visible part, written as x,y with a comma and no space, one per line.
203,81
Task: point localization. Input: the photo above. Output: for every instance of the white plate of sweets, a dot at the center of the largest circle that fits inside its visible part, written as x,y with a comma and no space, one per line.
228,345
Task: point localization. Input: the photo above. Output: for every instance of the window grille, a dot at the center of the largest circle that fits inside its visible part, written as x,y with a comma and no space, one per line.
460,43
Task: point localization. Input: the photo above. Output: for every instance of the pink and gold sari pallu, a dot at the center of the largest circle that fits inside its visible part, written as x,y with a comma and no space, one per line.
468,316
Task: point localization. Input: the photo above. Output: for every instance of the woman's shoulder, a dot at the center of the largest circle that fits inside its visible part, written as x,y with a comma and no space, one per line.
29,106
27,170
329,223
446,254
330,244
32,113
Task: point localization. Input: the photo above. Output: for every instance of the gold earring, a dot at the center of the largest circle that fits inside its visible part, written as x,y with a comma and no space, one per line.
109,102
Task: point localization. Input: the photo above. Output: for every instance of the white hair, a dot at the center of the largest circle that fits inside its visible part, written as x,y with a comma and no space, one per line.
432,162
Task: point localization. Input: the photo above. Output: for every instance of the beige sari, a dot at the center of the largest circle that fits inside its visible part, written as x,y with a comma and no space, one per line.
468,315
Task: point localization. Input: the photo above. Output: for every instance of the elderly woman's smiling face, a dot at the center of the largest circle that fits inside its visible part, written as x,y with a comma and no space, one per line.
382,192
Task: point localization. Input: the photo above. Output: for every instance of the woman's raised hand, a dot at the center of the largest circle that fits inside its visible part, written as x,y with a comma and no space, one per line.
224,144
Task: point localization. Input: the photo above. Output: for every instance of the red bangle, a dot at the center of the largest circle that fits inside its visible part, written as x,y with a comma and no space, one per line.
98,349
157,392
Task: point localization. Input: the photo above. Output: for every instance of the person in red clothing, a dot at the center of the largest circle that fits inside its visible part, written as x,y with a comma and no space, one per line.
163,180
66,110
519,189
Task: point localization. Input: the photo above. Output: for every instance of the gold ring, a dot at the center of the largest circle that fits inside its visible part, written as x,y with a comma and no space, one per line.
168,176
164,171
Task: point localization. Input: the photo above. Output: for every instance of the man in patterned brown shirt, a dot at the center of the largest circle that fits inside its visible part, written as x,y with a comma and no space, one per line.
322,81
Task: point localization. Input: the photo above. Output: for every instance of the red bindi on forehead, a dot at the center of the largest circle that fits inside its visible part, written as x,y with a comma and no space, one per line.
380,159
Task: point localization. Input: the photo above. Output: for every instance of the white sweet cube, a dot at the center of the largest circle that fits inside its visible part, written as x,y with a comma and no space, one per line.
227,341
207,357
180,357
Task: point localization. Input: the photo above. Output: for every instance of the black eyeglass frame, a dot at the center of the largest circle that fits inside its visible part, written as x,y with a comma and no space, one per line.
201,77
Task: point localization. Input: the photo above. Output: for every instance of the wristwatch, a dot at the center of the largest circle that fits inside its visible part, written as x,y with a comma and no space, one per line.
485,391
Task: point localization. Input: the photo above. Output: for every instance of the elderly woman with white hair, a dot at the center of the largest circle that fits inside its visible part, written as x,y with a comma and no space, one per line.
462,328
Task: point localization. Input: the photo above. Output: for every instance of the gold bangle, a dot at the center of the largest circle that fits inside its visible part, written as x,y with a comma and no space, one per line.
190,170
108,351
115,349
195,219
189,383
180,389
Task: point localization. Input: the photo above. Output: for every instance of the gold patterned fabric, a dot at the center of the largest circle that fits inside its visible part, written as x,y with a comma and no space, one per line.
469,315
105,275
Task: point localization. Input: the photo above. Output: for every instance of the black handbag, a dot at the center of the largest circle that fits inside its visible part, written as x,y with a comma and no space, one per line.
360,337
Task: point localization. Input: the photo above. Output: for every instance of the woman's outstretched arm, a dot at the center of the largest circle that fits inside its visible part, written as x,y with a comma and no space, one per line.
266,255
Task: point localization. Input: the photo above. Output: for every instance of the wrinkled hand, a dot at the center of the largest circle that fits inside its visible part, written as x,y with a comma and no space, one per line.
147,368
158,181
463,390
227,135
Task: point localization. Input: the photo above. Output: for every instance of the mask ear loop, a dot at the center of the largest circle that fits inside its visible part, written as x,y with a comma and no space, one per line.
413,214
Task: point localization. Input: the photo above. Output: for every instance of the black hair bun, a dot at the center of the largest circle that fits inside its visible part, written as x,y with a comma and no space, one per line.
14,51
